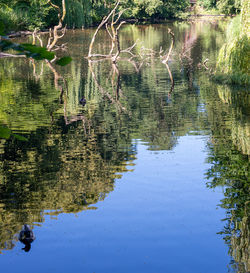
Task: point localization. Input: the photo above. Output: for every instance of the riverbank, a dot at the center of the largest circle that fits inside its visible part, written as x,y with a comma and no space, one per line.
23,33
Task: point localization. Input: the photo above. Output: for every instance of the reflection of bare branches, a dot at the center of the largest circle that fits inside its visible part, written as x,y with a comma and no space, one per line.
146,53
116,86
69,120
205,64
171,78
61,84
165,57
57,76
37,76
187,63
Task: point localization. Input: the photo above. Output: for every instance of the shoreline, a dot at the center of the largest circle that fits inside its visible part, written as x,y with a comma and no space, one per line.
24,33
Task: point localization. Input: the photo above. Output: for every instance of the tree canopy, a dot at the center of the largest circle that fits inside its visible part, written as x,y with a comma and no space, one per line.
30,14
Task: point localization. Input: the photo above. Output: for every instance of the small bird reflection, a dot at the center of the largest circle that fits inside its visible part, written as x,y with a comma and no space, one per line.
83,101
26,236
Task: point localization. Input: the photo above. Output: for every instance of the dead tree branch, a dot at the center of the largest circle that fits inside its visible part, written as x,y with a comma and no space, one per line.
36,36
103,22
7,55
110,22
129,50
54,37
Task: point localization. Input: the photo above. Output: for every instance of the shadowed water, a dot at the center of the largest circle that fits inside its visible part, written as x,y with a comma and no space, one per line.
133,167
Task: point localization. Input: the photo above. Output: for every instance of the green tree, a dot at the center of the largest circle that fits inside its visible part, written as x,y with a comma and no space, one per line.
229,6
25,14
234,56
224,6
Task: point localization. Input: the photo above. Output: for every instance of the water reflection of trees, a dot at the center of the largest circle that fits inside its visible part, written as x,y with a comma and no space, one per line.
229,158
65,167
230,170
56,171
75,153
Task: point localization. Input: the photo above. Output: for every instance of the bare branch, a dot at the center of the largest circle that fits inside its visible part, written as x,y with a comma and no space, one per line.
129,50
61,15
4,55
119,16
121,23
104,21
36,36
50,37
107,28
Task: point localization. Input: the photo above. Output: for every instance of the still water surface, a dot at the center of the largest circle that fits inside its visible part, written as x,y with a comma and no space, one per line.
147,176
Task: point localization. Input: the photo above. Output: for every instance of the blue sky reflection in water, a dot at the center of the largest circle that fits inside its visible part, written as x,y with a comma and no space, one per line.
159,218
120,184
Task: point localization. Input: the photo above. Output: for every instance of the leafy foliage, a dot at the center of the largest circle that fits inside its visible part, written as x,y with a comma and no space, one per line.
234,56
157,9
78,13
224,6
28,14
31,14
234,60
64,61
229,6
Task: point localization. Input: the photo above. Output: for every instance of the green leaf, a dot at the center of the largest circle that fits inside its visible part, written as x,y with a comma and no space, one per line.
64,61
31,48
33,51
19,137
5,132
48,55
38,52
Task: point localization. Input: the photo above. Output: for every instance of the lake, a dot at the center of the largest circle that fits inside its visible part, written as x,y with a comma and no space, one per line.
133,167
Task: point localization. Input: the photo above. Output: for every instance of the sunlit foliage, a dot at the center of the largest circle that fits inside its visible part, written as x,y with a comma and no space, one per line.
234,56
30,14
223,6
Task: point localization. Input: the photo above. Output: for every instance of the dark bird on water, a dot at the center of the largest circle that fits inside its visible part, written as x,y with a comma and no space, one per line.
83,101
26,236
